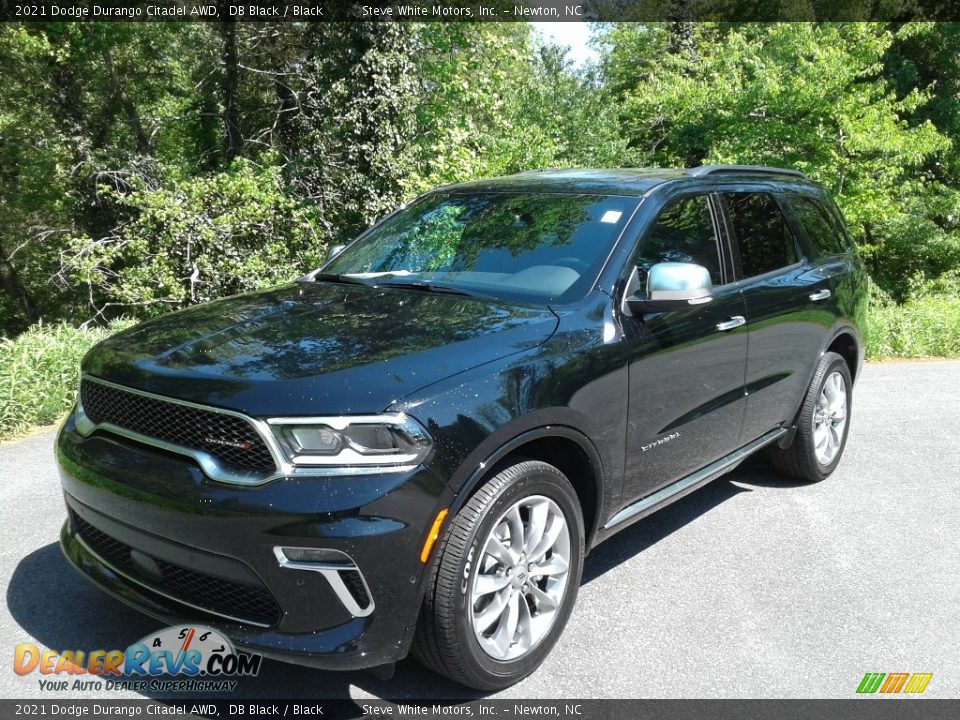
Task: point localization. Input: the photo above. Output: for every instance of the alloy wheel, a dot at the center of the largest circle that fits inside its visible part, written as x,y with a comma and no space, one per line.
521,578
830,418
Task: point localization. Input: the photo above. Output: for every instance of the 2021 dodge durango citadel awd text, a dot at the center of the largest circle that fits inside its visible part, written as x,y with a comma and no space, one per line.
414,447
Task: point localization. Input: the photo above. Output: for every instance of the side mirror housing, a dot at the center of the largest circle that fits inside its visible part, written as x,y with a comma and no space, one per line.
334,251
670,286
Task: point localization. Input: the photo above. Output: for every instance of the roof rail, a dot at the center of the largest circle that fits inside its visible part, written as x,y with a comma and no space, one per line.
746,169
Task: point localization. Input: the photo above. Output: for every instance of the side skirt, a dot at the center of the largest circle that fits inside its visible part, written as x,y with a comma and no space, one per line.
674,491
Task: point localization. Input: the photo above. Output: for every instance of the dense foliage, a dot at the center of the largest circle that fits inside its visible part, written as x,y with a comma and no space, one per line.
146,167
38,373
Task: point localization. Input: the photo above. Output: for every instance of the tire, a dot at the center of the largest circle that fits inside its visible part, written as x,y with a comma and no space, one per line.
806,459
447,639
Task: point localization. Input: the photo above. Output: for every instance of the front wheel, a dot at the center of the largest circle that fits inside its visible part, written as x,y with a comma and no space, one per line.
822,425
506,579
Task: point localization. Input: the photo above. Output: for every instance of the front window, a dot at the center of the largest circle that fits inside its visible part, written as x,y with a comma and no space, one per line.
683,232
524,247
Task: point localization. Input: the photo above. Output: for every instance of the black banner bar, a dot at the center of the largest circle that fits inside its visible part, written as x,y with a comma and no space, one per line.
475,10
854,709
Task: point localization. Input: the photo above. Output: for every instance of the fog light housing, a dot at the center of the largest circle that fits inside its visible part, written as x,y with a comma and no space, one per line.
337,568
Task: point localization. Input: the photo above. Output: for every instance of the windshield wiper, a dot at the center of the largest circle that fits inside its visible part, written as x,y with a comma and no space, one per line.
423,286
337,278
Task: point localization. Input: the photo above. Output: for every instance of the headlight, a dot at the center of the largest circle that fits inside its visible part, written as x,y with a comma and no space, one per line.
391,441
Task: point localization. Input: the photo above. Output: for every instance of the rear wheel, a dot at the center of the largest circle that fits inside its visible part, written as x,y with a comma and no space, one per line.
505,580
822,426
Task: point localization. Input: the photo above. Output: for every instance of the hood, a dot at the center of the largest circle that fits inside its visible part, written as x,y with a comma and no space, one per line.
316,348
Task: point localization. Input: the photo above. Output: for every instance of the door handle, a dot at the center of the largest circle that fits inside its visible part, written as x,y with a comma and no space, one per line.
734,322
820,295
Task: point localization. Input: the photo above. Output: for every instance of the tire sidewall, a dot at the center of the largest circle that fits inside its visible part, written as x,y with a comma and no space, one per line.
535,482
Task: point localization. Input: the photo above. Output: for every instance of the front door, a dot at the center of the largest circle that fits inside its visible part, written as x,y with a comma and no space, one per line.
686,373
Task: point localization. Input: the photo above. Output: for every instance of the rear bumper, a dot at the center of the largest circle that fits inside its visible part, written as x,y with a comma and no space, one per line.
150,529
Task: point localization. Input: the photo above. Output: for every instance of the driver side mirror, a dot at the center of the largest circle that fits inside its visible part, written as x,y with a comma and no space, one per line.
670,286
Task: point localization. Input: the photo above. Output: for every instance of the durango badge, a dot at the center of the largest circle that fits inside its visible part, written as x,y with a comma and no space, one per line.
660,441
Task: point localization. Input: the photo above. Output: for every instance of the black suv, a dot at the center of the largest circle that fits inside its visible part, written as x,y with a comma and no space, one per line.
413,448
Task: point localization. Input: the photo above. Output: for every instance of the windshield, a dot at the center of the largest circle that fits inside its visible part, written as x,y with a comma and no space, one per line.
529,248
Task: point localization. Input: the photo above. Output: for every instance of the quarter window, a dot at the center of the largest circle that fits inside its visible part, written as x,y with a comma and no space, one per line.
683,232
764,239
823,234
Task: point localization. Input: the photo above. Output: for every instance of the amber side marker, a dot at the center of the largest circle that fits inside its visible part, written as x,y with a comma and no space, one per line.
432,536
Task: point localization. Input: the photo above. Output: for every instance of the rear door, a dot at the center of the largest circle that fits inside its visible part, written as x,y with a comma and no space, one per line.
786,328
685,373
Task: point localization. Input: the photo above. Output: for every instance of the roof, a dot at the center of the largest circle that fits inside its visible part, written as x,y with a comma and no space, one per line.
632,182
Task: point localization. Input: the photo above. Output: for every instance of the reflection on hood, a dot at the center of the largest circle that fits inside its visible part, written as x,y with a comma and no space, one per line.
316,348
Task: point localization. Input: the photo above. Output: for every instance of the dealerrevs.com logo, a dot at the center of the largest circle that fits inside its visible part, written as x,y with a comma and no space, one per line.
189,658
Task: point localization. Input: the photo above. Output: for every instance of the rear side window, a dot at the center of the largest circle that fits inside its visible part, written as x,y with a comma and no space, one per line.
764,239
823,231
683,232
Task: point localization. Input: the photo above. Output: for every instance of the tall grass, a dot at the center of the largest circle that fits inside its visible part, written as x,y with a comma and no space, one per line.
39,371
927,326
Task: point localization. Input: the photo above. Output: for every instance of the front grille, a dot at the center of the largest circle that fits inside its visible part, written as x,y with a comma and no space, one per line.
218,596
230,439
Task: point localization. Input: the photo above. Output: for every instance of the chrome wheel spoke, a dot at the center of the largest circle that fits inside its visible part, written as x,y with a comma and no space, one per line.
515,522
490,583
556,565
492,612
507,629
536,526
525,638
545,601
500,552
556,526
820,435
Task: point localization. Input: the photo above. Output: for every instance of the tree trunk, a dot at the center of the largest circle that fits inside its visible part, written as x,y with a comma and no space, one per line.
129,109
233,143
14,289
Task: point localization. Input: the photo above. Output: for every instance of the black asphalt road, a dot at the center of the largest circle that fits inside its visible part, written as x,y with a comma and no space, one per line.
751,587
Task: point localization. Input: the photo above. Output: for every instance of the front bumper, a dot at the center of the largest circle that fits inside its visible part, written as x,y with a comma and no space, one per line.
151,529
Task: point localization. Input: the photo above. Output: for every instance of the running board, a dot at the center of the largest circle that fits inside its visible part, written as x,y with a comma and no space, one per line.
701,476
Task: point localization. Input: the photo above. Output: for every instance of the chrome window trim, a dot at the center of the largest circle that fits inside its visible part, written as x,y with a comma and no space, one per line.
214,468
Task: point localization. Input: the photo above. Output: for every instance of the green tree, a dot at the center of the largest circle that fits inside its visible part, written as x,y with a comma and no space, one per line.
809,96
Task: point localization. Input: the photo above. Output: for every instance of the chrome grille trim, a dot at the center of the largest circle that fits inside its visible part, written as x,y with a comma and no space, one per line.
211,466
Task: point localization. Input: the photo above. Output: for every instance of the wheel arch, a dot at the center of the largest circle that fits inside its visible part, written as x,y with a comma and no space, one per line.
846,344
564,447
